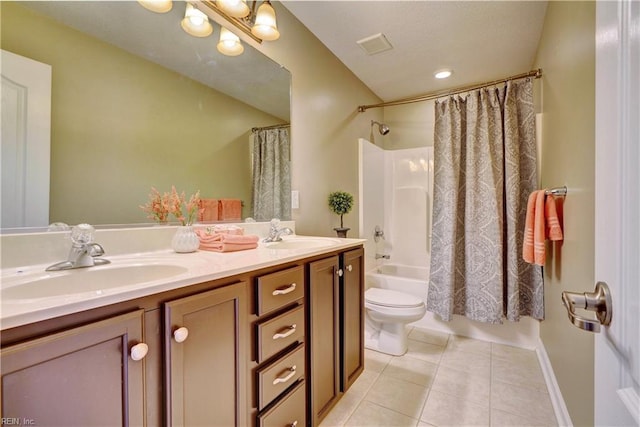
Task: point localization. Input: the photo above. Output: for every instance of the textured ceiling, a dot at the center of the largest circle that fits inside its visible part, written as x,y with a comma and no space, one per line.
479,40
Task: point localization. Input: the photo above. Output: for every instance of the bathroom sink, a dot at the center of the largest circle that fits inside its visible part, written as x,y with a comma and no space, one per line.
302,243
82,280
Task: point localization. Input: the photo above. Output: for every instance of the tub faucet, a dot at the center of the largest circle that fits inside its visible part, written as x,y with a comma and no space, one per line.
275,232
383,256
84,251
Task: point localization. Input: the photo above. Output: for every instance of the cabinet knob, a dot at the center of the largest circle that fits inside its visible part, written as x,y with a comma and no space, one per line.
289,330
340,272
283,290
139,351
292,372
349,267
180,334
293,424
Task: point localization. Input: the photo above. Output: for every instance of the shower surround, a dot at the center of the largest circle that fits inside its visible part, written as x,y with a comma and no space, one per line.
396,194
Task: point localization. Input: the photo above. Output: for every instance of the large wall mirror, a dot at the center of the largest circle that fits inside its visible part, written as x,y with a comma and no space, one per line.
137,103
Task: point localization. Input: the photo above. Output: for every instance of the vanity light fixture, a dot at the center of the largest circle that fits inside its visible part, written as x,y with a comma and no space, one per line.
195,22
229,43
442,74
234,8
265,26
158,6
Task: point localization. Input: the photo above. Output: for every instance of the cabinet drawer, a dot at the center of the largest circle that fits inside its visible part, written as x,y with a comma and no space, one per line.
290,411
278,289
280,332
275,378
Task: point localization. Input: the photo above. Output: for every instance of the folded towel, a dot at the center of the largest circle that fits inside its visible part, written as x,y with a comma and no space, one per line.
226,229
539,251
542,222
527,246
553,227
230,210
208,210
222,242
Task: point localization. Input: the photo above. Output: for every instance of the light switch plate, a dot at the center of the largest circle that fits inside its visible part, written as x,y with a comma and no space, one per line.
295,199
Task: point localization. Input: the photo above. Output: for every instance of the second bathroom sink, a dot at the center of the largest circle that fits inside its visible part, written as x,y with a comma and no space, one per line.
82,280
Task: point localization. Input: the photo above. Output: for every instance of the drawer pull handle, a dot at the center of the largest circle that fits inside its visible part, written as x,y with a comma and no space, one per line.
283,290
139,351
290,330
180,334
292,372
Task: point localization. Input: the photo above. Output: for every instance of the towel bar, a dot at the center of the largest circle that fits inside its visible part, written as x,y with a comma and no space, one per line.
557,191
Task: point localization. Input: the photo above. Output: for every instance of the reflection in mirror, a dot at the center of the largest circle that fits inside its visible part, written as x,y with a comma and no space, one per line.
138,103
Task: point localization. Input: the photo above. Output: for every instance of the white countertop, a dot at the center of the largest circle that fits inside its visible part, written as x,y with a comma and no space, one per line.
201,266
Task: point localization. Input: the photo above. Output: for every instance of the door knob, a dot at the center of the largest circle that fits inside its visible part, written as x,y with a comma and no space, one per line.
598,301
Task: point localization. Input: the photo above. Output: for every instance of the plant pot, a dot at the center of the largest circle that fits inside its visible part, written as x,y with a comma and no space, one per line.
342,232
185,240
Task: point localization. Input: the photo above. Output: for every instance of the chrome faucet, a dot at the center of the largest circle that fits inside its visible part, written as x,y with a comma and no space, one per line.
275,232
383,256
84,251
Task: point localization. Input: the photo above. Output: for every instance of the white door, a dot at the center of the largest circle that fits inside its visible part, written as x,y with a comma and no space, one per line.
617,236
26,128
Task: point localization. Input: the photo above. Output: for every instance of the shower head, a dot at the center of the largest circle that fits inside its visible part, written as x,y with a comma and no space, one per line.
382,128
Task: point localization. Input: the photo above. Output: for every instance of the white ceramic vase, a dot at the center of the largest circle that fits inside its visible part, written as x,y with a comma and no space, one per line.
185,240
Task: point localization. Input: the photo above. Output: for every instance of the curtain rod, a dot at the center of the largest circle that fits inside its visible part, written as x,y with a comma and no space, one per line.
433,95
284,125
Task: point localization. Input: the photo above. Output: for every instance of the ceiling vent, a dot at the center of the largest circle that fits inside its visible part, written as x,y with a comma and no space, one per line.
375,44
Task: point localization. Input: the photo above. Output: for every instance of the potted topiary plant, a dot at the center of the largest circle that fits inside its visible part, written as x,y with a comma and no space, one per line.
340,203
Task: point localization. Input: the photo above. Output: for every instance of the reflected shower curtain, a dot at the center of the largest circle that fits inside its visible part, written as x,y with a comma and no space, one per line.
485,168
271,190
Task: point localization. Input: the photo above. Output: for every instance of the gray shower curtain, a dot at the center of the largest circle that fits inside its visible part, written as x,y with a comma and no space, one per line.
485,168
271,190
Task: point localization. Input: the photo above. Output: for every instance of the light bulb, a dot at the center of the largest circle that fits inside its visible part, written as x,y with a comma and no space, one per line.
229,43
265,26
195,22
235,8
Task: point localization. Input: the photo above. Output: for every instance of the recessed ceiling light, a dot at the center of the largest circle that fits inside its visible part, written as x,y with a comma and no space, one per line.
442,74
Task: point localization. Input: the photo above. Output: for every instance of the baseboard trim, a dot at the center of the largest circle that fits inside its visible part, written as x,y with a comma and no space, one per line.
559,407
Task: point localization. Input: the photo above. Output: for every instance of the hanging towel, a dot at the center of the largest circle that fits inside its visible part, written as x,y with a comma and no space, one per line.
222,242
541,223
553,227
230,210
208,210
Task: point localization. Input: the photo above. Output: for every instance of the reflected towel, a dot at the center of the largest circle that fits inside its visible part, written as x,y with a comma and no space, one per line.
222,242
208,210
230,210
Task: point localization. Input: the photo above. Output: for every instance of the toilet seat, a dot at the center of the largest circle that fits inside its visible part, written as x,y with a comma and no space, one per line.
389,298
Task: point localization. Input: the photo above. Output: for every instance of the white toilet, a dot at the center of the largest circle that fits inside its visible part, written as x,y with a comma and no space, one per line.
387,314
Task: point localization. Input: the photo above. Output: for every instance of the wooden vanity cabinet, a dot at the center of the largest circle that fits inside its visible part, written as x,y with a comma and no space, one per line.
205,358
324,337
351,317
84,376
247,350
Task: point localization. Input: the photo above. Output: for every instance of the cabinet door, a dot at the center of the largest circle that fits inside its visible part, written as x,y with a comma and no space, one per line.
352,317
323,336
205,370
80,377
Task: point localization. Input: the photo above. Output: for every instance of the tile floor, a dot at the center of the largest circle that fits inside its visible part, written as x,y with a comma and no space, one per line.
447,380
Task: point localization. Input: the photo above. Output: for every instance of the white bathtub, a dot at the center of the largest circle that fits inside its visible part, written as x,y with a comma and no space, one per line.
415,281
403,278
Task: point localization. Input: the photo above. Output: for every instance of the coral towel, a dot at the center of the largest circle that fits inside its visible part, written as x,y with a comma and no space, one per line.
223,242
208,210
541,222
230,210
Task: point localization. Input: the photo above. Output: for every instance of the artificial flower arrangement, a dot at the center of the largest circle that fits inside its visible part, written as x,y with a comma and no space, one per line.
160,206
